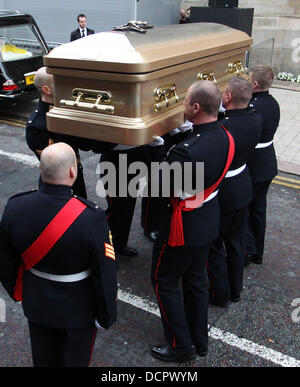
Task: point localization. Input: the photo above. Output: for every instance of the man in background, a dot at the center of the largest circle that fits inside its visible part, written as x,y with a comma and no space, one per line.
82,29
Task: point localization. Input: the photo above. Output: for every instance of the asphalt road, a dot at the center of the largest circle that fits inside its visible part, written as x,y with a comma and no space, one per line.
262,330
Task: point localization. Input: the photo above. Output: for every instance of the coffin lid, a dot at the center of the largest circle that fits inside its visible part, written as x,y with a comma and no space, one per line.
160,47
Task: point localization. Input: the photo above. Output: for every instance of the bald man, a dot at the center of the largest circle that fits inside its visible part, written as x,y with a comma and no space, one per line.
37,134
59,262
188,225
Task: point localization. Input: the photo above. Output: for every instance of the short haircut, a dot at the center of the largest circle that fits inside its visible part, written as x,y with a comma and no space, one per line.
42,78
263,75
207,95
240,90
80,15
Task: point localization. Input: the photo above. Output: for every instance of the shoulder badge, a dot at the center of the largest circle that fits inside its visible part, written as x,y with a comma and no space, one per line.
94,206
109,251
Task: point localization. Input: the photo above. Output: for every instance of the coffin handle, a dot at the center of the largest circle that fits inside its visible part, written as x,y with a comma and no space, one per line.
81,96
166,95
88,106
233,69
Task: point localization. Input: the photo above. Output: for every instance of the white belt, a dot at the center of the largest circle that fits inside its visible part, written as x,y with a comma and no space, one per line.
263,144
211,196
186,196
235,172
62,278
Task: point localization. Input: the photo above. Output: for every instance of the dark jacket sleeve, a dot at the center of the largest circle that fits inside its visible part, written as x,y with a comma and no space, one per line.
9,260
104,275
73,36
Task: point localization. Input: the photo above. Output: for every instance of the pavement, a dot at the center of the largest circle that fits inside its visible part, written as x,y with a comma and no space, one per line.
287,136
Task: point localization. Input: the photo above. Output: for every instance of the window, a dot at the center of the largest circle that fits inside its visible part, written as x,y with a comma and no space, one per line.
19,42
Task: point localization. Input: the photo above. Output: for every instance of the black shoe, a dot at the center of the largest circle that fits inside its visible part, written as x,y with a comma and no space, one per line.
236,299
219,304
248,259
257,259
127,251
201,352
166,353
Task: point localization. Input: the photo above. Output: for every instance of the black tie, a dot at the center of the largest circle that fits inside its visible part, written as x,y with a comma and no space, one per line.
82,34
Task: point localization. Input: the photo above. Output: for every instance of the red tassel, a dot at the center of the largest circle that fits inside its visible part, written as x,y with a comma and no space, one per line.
176,237
19,283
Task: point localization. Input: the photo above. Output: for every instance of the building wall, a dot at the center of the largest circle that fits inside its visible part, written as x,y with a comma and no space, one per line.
57,18
275,21
159,12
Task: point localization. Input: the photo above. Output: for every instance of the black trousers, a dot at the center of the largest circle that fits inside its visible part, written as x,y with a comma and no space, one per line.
120,209
79,184
257,218
184,316
61,347
151,213
226,257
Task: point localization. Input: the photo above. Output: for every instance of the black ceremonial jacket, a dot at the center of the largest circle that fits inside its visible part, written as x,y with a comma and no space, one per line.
39,137
262,163
209,144
56,304
245,125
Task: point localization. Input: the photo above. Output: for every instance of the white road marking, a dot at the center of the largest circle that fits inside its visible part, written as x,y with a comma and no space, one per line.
217,334
28,160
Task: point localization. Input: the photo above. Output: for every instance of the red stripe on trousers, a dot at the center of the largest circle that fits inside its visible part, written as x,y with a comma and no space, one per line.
157,295
92,345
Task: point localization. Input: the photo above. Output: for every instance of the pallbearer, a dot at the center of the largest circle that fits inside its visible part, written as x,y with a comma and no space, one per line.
188,226
56,256
225,266
263,163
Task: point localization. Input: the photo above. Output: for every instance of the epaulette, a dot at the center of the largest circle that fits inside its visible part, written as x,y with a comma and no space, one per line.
23,193
93,205
32,117
190,141
251,108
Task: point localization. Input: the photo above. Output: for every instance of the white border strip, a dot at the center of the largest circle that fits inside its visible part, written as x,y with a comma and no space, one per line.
217,334
31,161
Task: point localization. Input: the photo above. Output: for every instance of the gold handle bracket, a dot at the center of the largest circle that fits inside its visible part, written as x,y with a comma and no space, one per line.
94,100
207,76
233,69
165,96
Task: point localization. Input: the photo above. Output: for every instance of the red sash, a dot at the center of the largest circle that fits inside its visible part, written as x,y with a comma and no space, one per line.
176,237
47,239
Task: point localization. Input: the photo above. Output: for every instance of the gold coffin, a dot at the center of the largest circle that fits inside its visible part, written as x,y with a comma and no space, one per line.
126,87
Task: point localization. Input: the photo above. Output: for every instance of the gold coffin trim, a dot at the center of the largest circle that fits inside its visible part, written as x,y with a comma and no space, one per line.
117,129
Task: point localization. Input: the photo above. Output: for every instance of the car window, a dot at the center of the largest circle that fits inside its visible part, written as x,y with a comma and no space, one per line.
19,42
